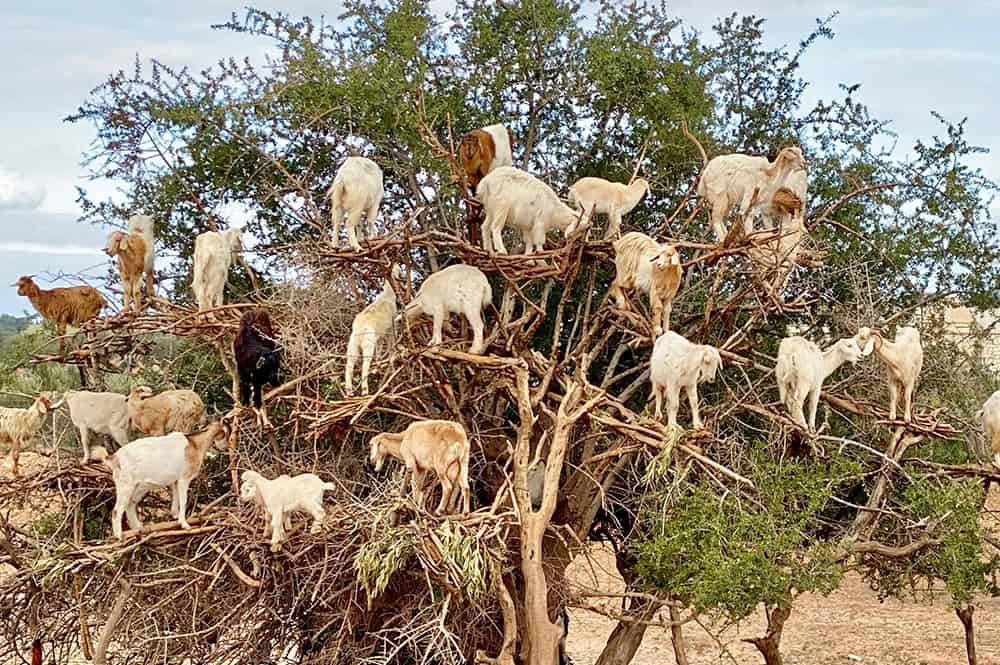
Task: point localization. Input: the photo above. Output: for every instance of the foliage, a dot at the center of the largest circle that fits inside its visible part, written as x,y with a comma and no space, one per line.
727,556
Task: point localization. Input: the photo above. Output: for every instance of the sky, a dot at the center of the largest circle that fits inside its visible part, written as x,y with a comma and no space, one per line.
909,57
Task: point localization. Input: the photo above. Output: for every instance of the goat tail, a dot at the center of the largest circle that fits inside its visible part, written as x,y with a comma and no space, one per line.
691,137
329,487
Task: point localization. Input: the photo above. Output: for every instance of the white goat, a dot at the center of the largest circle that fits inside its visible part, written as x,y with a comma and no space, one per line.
142,225
644,264
903,359
214,252
515,198
728,182
171,461
282,496
20,426
457,289
614,199
100,412
357,190
372,324
440,446
170,411
802,368
990,417
676,363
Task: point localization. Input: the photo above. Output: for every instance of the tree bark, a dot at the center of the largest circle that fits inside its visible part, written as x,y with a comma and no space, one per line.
627,636
677,636
101,651
769,645
965,616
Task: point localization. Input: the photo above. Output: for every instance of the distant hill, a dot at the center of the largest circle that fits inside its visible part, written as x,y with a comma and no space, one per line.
12,325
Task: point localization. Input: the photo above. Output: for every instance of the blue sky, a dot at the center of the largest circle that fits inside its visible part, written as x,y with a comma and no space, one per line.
909,57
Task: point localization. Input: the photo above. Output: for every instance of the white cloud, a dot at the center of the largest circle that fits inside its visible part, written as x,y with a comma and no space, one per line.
15,247
17,193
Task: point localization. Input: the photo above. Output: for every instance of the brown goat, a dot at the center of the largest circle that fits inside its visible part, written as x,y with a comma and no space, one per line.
482,150
68,305
130,248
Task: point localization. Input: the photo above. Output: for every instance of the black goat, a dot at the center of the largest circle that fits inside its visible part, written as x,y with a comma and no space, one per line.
258,359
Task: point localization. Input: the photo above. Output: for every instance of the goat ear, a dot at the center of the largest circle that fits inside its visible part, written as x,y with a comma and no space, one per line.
869,347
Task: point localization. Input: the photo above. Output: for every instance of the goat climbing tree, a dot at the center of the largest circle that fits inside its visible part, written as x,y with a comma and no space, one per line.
691,515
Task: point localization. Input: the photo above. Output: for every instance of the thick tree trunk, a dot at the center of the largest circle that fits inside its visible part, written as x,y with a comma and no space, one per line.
965,616
627,636
769,645
677,636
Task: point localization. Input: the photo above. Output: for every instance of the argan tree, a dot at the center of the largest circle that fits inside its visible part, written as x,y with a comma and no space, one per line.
707,525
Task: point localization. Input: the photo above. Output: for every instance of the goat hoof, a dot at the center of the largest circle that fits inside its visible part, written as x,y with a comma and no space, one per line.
276,548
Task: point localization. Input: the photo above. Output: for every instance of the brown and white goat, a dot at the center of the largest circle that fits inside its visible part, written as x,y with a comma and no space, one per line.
130,249
171,461
483,150
64,305
441,446
653,268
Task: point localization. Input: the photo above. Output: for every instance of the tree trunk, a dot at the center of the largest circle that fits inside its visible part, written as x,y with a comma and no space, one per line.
769,645
627,636
677,636
965,616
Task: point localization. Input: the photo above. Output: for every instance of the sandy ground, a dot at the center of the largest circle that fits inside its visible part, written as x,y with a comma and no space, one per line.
849,626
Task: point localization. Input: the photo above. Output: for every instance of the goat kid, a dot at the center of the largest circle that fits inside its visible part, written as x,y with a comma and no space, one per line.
282,496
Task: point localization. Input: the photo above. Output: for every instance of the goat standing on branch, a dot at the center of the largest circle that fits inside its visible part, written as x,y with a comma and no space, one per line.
372,324
170,411
19,426
481,151
441,446
614,199
63,306
258,359
100,412
213,254
515,198
171,461
357,190
130,249
642,263
729,182
142,225
457,289
677,363
903,360
282,496
802,368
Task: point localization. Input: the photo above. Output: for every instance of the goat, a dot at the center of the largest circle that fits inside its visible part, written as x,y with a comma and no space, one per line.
512,197
781,253
357,190
63,306
213,254
802,367
131,252
170,411
644,264
440,446
19,426
614,199
728,182
258,359
989,416
903,358
282,496
142,225
457,289
483,150
676,363
100,412
171,461
372,324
